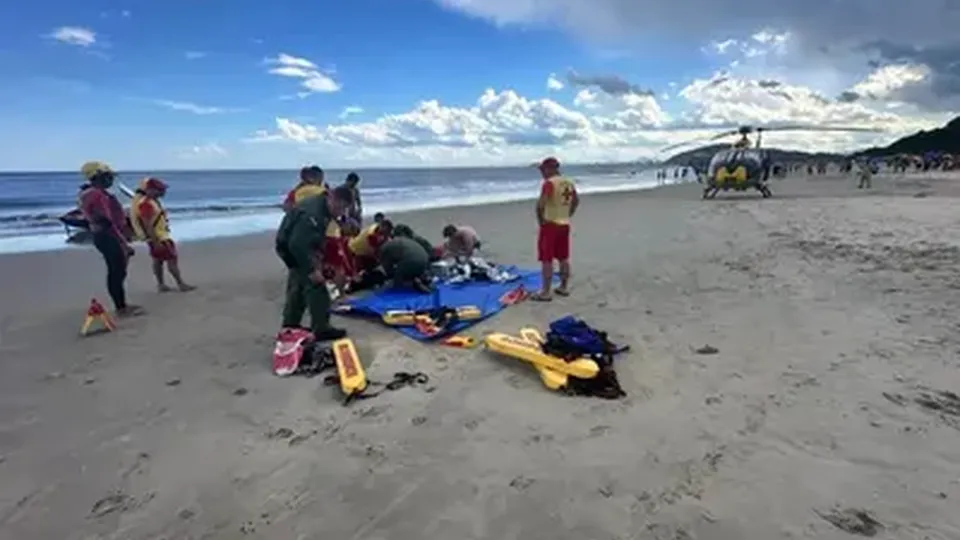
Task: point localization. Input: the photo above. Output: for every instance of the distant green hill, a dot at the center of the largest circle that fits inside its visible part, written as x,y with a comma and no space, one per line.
945,139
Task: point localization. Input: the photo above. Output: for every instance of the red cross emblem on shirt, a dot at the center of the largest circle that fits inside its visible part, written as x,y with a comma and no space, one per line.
567,194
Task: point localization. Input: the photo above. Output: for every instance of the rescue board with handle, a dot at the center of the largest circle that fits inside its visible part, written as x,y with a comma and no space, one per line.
528,351
409,317
554,380
353,379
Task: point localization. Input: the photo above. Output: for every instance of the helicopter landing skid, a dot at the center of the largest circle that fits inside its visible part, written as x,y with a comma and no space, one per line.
711,192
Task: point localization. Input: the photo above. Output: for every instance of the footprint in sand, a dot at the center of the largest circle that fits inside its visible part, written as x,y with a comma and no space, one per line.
280,433
521,483
115,502
943,403
300,439
852,521
599,431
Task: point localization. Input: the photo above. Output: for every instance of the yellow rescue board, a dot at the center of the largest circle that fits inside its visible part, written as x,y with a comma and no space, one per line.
349,369
554,380
409,318
528,351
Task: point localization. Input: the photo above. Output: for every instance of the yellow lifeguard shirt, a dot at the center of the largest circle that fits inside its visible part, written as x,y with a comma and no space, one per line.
308,190
147,214
559,192
361,245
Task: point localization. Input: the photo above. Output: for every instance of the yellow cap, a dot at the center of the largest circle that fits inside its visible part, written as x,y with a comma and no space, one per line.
93,168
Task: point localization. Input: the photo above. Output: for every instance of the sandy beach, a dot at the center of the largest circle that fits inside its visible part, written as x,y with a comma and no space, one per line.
830,309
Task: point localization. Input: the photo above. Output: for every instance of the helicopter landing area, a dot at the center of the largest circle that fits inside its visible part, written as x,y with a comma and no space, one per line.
792,375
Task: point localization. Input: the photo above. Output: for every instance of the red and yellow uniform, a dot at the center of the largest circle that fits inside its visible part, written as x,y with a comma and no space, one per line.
335,255
147,216
301,192
553,240
365,245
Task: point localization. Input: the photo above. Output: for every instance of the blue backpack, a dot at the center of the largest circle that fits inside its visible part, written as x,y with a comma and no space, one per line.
571,338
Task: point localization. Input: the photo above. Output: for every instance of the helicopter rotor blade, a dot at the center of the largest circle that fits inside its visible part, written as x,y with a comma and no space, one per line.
725,134
851,129
764,129
698,140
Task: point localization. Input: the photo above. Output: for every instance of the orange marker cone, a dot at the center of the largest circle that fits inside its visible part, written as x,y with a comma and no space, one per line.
462,342
96,312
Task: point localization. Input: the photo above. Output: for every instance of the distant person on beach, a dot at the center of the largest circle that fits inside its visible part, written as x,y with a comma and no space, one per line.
111,234
406,262
460,241
300,244
149,221
558,203
355,212
865,174
310,184
364,247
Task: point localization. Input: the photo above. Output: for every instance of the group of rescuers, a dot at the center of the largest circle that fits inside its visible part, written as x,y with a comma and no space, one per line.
321,238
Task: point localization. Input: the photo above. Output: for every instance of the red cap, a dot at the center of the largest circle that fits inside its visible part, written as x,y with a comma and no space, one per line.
154,184
550,163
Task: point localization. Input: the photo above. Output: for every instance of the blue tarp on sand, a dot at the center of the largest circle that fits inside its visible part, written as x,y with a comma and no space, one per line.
484,295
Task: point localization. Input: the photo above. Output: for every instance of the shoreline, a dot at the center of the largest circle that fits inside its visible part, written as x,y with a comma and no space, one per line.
259,222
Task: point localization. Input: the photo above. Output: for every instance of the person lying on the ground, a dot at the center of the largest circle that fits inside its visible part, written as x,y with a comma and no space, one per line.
460,241
310,184
401,230
406,263
364,246
149,221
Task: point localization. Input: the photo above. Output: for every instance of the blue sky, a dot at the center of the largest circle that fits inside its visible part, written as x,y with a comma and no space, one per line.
184,84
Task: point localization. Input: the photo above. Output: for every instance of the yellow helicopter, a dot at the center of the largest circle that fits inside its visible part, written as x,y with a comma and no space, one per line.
745,166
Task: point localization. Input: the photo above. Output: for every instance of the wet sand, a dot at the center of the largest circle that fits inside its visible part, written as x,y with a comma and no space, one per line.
825,407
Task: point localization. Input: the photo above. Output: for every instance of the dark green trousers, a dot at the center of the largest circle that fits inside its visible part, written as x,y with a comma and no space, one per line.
302,295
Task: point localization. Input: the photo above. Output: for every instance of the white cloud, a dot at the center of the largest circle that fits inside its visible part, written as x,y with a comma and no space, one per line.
186,106
350,111
554,84
761,44
195,55
814,40
312,78
203,151
74,35
608,119
885,82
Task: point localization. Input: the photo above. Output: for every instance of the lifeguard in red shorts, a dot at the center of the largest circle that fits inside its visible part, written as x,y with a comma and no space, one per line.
337,264
149,222
558,203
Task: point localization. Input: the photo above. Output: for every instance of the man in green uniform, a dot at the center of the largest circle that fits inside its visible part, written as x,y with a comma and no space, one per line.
406,262
300,243
407,232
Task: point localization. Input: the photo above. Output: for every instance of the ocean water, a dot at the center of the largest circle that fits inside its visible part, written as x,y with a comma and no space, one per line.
210,204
